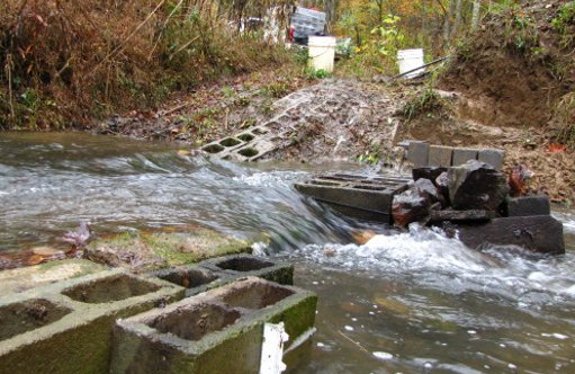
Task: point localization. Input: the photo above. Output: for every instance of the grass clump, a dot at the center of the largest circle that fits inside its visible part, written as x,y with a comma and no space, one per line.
565,116
424,102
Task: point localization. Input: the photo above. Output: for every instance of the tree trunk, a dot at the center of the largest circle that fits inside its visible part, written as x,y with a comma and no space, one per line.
458,16
475,16
447,26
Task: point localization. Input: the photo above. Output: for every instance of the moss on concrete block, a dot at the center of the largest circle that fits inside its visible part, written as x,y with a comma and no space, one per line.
146,251
22,279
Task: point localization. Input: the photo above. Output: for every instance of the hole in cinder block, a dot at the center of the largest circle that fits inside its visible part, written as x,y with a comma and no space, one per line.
256,295
189,278
323,183
230,142
28,315
259,131
370,188
193,322
246,137
248,152
213,148
244,264
109,289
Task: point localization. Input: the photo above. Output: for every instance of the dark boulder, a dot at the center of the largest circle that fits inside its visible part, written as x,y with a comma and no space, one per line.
476,185
542,234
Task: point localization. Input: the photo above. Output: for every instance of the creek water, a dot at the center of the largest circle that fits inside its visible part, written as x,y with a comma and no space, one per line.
411,302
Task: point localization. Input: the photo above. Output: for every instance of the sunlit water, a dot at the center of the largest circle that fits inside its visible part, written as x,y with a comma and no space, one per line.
410,302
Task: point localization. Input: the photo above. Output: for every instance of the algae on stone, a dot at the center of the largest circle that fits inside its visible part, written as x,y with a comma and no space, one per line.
144,251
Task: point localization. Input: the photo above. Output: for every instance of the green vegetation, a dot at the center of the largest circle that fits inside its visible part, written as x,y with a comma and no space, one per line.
565,115
564,23
426,101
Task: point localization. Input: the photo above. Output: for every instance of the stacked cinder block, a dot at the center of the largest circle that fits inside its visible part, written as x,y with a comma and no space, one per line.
219,271
422,154
218,331
66,327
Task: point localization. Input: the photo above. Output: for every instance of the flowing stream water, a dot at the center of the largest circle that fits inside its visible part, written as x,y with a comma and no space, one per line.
412,302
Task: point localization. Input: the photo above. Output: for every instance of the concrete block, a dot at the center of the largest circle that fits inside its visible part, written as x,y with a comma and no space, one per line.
25,278
493,157
194,278
219,331
418,153
528,206
440,155
462,155
542,234
368,198
66,327
248,265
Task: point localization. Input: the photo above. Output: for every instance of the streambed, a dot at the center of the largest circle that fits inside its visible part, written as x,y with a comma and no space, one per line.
413,302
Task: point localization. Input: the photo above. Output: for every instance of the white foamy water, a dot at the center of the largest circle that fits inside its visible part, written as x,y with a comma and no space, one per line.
430,258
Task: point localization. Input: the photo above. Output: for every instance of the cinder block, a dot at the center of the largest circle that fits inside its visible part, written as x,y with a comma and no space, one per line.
440,155
249,265
368,198
528,206
194,278
493,157
418,153
219,331
66,327
462,155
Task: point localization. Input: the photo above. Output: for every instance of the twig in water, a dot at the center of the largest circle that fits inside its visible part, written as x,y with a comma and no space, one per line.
354,342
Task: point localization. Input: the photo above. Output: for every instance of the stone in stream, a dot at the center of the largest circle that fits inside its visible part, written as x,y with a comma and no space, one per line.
528,206
414,204
476,185
542,234
473,215
428,172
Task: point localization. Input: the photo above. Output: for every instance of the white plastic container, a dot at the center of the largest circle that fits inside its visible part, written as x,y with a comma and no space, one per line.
409,59
322,52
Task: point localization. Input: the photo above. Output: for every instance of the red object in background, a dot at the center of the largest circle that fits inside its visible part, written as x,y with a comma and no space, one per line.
517,180
556,148
291,34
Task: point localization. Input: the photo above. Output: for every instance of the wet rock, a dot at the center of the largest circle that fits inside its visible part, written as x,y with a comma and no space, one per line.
474,215
528,206
442,184
542,234
476,185
429,172
414,204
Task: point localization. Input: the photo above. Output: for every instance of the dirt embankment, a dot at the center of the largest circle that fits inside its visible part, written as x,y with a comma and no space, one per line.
511,85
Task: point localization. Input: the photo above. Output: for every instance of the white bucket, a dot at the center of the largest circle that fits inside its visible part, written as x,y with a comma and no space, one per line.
410,59
321,52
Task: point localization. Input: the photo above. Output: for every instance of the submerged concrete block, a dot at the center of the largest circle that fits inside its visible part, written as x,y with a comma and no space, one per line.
440,155
219,331
249,265
493,157
528,206
66,327
418,153
368,198
462,155
542,234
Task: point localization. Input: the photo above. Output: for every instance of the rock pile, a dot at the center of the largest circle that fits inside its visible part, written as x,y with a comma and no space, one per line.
474,198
